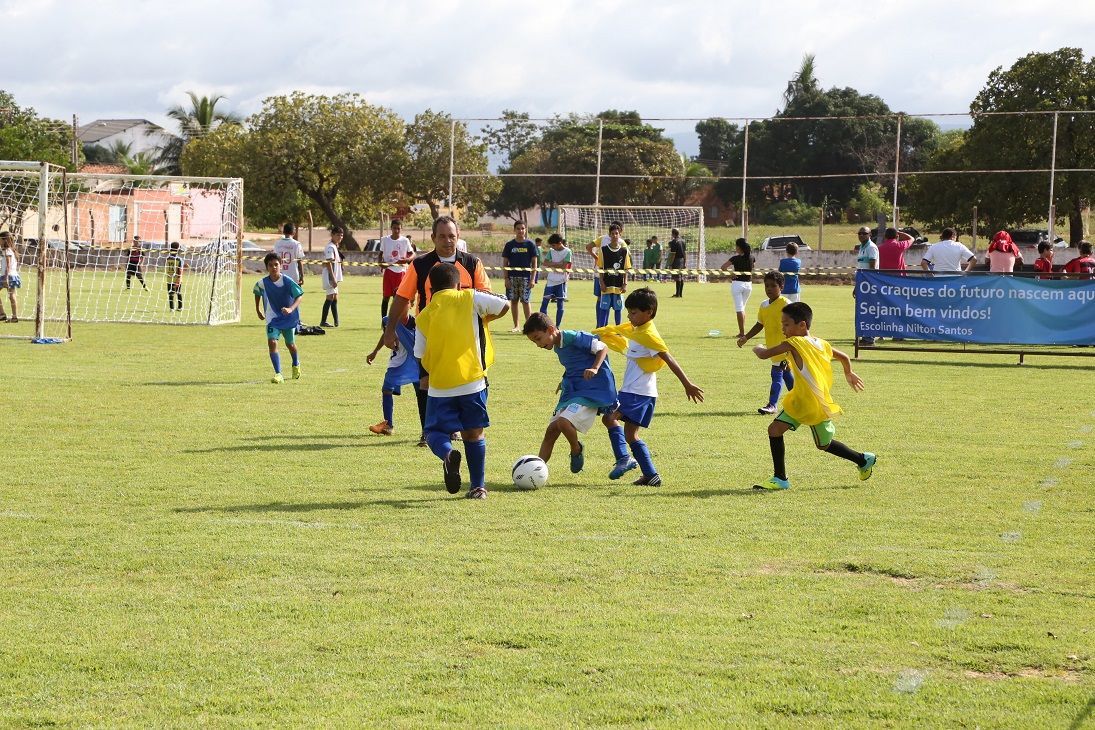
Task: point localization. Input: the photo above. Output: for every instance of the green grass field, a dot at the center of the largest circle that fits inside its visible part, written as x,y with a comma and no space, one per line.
183,543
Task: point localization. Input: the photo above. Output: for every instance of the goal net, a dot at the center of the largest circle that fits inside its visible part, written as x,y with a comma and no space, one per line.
584,224
129,248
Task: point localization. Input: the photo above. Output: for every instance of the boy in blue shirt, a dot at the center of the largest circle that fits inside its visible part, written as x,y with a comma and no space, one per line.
789,266
452,339
588,387
646,354
403,369
280,297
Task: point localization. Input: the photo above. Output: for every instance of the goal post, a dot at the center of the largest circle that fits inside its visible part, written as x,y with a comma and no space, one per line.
583,224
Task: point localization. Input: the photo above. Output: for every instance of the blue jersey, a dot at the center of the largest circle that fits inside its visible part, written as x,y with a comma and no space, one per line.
403,365
276,295
576,357
790,268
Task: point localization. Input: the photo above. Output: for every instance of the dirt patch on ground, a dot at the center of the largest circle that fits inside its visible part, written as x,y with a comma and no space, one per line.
1071,676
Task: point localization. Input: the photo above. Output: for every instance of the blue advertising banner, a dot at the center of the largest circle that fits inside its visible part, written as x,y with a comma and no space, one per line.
993,309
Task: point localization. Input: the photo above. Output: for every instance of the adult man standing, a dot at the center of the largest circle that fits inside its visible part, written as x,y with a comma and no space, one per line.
891,254
415,287
948,255
866,257
678,259
290,252
396,251
520,253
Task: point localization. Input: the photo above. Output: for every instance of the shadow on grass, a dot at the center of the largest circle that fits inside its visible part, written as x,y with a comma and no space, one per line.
189,383
966,364
295,507
1083,716
721,492
289,446
705,414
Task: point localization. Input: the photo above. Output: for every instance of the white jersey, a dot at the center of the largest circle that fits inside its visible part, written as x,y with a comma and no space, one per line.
637,380
562,256
9,263
290,252
394,249
947,255
331,254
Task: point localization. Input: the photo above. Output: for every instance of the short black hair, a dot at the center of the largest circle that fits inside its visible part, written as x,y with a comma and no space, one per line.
742,245
776,276
444,276
536,322
520,223
287,229
1085,248
397,222
174,246
799,312
947,233
891,233
1044,246
556,238
675,232
270,257
616,226
792,248
444,219
645,300
336,229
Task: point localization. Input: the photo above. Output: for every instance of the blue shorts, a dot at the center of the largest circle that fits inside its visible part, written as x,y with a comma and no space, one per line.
392,383
596,286
612,301
290,334
457,413
519,288
10,282
556,292
638,409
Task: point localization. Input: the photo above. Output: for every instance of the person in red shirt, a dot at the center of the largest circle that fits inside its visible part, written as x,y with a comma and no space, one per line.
1044,262
1082,264
891,253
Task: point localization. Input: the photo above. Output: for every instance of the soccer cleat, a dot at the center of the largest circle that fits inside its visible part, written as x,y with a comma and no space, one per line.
382,429
623,466
866,470
774,483
577,461
4,318
648,481
296,372
422,440
324,324
515,330
477,493
451,469
277,379
766,410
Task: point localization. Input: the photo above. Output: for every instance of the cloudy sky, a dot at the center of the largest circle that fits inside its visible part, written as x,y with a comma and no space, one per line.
474,58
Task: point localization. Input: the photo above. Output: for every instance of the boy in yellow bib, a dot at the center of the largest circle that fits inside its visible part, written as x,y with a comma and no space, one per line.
453,342
809,403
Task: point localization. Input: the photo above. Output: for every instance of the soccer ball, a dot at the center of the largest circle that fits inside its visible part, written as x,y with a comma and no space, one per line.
530,472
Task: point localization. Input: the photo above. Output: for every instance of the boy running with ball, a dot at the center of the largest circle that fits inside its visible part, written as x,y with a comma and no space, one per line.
588,388
280,297
452,339
809,403
646,354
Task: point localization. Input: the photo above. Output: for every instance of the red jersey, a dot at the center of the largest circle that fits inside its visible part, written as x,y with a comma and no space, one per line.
1043,265
1081,265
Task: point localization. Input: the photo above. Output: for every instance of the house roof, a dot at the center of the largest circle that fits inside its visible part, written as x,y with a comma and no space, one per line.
102,128
104,169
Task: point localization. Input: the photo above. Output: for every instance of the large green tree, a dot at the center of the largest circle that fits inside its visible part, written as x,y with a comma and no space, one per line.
195,121
26,136
426,176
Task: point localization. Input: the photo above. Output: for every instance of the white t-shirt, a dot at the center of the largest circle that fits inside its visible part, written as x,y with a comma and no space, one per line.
637,380
290,252
9,263
947,255
865,254
393,249
331,254
557,276
483,304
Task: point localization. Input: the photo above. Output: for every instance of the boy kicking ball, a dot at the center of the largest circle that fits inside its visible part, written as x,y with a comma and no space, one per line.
588,388
809,402
280,297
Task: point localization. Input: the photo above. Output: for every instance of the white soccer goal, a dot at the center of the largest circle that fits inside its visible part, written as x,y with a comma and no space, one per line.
94,271
582,224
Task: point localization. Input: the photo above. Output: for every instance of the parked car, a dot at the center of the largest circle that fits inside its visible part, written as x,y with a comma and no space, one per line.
779,243
372,244
250,248
1031,237
917,238
57,244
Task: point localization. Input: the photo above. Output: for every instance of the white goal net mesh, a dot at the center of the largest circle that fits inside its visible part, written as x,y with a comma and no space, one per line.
584,224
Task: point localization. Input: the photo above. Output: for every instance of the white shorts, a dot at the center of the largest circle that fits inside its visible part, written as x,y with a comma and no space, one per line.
740,290
583,417
326,282
797,296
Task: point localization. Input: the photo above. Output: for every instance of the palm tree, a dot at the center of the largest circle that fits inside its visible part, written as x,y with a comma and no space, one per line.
201,118
803,82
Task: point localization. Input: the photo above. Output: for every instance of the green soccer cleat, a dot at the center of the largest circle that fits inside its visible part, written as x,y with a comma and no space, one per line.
296,372
277,379
866,470
773,484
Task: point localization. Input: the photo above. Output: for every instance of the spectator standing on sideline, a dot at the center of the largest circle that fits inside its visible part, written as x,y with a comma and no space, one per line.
652,257
891,254
678,259
519,253
396,250
789,266
866,257
1082,264
948,255
1003,253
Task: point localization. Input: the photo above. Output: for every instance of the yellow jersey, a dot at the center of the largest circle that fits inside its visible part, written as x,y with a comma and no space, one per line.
810,402
770,316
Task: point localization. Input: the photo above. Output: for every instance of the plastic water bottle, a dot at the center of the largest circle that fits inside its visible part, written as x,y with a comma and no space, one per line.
714,333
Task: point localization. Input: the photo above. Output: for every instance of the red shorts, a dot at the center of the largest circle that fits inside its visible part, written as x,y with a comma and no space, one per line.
391,281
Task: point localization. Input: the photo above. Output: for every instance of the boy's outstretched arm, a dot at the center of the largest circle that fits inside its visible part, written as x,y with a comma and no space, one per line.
258,310
372,355
766,352
750,334
693,391
491,317
853,380
591,372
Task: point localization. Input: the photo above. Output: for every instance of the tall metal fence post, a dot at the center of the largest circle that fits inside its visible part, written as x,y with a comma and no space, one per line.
1052,178
452,164
600,140
897,172
744,177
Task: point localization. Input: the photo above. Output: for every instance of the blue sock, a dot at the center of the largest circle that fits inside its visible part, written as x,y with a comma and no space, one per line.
476,454
440,443
295,356
619,443
558,314
275,357
619,312
642,455
388,403
788,378
777,384
544,306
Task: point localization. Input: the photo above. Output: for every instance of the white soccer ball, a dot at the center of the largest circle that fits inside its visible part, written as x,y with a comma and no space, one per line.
530,472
